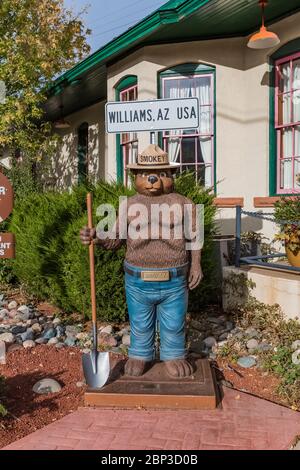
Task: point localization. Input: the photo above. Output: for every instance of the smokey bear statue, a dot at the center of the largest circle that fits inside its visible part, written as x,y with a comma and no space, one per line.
160,268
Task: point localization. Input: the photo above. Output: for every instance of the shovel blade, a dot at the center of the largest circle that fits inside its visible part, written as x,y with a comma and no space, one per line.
96,368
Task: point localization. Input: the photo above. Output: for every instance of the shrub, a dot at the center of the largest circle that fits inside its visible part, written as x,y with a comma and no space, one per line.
53,264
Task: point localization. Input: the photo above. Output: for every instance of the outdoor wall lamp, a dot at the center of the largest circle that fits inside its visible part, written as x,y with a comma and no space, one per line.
264,39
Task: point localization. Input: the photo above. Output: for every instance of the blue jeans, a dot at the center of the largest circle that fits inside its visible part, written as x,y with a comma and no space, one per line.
148,302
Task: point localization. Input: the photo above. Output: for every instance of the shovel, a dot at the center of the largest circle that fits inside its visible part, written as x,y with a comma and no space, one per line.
95,365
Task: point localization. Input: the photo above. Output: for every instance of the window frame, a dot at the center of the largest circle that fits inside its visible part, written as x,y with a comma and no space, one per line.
191,70
124,85
282,55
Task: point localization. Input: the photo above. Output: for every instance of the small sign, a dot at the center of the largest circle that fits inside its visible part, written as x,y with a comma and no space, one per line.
7,245
155,115
6,197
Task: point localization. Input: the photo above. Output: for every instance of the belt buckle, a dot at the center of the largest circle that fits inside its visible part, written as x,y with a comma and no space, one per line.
158,276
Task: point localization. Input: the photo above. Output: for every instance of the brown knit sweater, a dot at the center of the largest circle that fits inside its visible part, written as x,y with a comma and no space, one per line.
156,251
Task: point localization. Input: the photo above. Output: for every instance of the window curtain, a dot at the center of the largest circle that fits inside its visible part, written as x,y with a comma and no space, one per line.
200,88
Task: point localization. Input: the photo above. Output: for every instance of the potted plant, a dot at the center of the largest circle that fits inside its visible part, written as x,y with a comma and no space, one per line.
287,216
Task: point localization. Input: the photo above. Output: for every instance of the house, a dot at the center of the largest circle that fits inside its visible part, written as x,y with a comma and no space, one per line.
248,144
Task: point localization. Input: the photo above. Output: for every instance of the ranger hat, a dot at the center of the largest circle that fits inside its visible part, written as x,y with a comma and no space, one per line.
153,158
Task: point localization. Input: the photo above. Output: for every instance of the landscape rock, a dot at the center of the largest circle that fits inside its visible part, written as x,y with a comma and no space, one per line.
296,345
60,331
2,352
27,335
41,340
56,321
52,341
29,344
126,340
59,345
12,305
105,339
12,313
210,341
8,338
106,329
36,328
24,310
46,386
18,329
223,336
49,333
70,341
3,313
252,344
246,362
252,333
72,330
265,347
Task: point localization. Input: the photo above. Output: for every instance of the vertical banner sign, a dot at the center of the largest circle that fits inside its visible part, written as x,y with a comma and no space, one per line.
7,240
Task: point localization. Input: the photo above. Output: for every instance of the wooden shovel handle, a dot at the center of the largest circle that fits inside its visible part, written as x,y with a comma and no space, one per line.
89,202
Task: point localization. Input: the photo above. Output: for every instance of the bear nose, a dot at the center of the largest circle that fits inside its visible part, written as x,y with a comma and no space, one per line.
152,179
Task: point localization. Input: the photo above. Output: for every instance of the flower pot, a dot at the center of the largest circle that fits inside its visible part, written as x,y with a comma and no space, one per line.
294,260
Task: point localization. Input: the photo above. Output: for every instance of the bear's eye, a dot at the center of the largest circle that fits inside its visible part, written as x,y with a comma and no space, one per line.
163,174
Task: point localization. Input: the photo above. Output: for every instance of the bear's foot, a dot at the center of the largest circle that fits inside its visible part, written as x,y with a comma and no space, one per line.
179,368
135,367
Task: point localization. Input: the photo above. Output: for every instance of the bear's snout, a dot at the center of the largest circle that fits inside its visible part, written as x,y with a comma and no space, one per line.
152,179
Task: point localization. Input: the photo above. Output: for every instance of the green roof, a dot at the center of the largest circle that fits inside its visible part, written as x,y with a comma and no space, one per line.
175,21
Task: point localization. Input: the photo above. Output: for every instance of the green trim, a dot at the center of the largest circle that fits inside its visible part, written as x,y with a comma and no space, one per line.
173,11
288,49
125,82
192,69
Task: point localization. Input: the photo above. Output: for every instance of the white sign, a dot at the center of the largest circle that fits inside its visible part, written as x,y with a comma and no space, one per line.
156,115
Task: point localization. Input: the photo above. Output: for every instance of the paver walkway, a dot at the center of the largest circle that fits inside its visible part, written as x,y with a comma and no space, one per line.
244,422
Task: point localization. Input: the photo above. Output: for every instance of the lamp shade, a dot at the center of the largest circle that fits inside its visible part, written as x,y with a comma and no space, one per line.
62,124
264,39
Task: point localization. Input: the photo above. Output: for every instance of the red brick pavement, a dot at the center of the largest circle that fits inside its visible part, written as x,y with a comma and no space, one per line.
244,422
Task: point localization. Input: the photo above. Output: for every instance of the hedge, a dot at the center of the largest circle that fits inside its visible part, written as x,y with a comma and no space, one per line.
52,263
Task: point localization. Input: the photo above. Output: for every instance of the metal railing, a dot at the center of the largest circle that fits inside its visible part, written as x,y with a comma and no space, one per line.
259,260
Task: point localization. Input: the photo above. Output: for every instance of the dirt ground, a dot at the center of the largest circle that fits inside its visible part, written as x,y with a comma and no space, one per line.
27,410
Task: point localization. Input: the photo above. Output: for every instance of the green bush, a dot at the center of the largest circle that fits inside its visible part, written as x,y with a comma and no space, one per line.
52,263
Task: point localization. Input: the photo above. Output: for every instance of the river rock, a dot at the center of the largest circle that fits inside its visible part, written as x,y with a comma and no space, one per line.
265,347
8,338
126,340
3,313
60,331
29,344
210,341
53,341
36,328
24,310
41,340
246,362
56,321
296,345
46,386
106,329
252,333
72,330
27,335
12,305
223,336
59,345
18,329
70,341
252,344
105,339
49,333
12,313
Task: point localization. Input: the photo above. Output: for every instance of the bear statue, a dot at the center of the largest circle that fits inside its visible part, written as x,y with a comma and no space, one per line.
159,268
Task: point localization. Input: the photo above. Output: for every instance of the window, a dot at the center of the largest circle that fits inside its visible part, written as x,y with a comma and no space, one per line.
287,123
127,144
82,151
193,149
